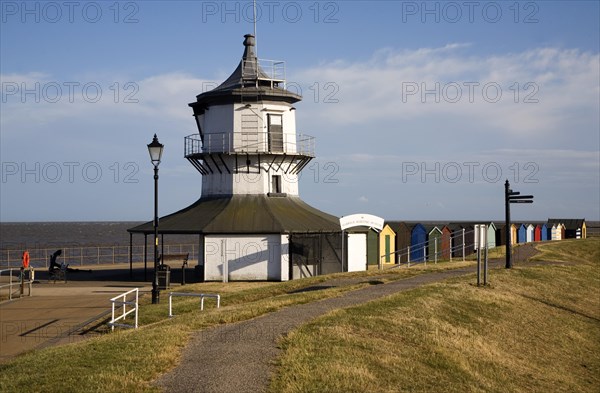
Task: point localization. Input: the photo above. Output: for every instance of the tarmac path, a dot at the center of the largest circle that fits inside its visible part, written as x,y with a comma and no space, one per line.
239,357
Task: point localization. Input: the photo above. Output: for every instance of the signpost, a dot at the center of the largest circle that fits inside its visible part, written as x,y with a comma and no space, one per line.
511,196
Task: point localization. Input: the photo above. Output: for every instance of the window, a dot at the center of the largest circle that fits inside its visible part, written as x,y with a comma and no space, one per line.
276,184
275,124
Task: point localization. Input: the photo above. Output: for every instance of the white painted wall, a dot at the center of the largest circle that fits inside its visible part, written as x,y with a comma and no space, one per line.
357,252
218,119
260,111
252,257
529,235
244,183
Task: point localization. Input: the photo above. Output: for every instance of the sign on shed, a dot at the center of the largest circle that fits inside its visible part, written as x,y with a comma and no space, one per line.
358,220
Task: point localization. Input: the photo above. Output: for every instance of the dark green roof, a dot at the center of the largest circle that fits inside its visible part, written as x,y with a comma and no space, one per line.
245,214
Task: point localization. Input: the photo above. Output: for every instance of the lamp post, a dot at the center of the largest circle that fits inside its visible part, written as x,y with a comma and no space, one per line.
155,149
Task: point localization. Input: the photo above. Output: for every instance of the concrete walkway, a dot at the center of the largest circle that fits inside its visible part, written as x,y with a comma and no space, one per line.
56,312
239,357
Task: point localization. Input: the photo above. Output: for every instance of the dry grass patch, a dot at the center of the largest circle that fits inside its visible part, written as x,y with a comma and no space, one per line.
536,329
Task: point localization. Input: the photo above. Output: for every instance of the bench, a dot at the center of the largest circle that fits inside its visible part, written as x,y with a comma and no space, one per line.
175,257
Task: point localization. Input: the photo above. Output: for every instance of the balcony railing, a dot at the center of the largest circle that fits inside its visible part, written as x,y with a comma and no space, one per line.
272,70
251,143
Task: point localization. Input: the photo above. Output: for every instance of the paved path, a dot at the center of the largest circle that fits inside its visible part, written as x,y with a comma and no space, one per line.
55,311
238,357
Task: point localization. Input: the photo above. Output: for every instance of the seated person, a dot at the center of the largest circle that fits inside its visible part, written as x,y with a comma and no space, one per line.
53,264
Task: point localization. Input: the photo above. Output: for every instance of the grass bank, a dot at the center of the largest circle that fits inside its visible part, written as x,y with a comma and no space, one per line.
534,329
129,360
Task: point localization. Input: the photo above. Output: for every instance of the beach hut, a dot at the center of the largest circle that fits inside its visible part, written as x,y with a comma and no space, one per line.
469,238
418,243
521,233
446,246
491,235
529,233
513,233
555,232
387,245
501,236
574,228
544,233
592,229
458,239
403,235
537,233
434,242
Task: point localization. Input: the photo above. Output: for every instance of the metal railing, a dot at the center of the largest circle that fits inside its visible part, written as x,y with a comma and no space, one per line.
19,280
271,70
249,142
200,295
39,257
457,246
123,305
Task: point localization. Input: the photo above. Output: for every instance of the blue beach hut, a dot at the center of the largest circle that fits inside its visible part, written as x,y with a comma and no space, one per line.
522,234
418,242
544,232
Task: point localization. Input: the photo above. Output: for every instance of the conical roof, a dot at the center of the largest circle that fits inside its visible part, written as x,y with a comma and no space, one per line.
248,82
248,72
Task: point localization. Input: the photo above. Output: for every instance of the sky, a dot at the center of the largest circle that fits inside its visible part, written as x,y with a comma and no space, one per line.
420,110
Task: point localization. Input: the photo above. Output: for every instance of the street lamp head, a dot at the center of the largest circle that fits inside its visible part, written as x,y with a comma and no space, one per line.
155,149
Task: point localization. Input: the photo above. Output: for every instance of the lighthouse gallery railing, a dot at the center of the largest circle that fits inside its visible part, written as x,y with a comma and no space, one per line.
249,142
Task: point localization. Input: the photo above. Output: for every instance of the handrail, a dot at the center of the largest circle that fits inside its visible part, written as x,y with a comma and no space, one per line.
89,255
124,303
425,245
200,295
274,70
249,142
20,279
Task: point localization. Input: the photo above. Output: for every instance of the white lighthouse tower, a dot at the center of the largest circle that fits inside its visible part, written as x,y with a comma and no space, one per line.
247,142
250,221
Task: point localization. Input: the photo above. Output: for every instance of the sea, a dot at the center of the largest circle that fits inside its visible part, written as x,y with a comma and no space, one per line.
81,242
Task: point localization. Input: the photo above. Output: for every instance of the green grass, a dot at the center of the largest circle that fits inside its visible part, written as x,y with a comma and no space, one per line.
427,320
535,329
129,360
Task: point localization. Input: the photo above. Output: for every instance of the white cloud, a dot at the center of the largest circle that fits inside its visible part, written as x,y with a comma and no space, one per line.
44,100
542,90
